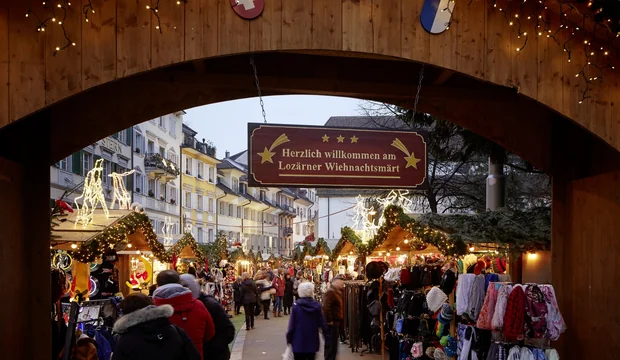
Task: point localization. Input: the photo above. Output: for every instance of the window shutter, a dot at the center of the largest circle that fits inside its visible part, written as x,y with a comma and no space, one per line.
128,136
76,167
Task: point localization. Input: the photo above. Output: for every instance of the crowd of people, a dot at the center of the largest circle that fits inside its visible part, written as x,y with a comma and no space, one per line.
178,321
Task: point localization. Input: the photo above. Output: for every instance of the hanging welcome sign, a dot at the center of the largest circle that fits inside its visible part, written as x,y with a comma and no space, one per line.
315,156
436,15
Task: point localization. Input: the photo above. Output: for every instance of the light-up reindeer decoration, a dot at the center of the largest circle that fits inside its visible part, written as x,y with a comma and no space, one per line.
92,195
120,192
167,230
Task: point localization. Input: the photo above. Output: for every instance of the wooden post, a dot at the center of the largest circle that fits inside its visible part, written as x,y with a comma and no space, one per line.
381,319
25,255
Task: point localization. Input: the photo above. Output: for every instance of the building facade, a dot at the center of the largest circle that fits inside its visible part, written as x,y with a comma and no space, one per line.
68,174
198,186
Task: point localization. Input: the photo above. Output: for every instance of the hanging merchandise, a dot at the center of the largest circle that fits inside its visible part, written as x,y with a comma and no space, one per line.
435,299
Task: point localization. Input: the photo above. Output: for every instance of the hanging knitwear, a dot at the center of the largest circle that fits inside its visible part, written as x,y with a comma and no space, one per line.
514,353
555,321
539,354
526,354
514,318
488,308
504,278
552,354
468,339
476,297
493,351
489,278
463,289
497,321
535,313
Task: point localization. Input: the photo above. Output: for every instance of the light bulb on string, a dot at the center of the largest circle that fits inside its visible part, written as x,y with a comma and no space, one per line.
74,246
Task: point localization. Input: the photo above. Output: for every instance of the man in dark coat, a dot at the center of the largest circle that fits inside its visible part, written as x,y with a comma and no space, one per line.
146,333
333,311
237,295
249,294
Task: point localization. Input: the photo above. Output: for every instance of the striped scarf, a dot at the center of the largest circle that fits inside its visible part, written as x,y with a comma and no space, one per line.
497,321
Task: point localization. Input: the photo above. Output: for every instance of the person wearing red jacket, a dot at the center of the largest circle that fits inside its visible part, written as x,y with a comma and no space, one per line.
278,284
189,314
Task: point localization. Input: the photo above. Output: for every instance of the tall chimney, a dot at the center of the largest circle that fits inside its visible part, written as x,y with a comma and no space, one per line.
227,154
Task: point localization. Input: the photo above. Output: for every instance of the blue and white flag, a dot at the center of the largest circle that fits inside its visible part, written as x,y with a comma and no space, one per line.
436,15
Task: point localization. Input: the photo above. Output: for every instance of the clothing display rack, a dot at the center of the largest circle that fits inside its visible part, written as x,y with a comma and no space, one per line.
356,318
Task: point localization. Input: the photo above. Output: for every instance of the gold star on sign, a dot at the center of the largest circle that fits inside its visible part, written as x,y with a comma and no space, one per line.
354,140
340,139
266,156
325,138
412,161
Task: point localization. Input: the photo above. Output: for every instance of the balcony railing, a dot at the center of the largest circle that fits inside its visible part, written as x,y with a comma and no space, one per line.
154,162
203,147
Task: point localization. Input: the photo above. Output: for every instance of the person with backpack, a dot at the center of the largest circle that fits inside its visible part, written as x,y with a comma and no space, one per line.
146,333
216,348
189,314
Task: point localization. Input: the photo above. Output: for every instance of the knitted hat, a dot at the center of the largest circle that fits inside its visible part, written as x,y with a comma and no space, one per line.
446,314
440,355
448,281
451,349
430,352
499,265
435,299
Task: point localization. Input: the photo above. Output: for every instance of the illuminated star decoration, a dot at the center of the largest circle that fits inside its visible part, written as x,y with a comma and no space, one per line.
92,195
325,138
120,192
340,139
267,154
354,139
412,161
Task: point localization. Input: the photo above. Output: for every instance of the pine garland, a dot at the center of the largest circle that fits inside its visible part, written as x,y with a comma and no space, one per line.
188,240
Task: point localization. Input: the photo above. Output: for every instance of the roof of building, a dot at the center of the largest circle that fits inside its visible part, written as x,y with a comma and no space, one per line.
226,189
371,122
189,130
235,156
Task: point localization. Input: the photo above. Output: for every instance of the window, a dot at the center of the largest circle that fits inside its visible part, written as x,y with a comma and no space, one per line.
263,195
303,230
235,184
297,229
210,205
230,210
243,189
188,199
151,187
201,170
200,235
172,126
162,151
188,165
87,159
162,122
172,156
211,174
210,235
138,182
246,213
162,191
222,208
64,164
122,137
107,170
200,200
239,212
253,215
173,193
139,143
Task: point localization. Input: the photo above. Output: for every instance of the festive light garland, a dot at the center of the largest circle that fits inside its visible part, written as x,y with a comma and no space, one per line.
340,246
594,54
188,240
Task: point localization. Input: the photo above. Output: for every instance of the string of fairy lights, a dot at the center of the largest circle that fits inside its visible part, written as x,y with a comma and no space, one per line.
596,50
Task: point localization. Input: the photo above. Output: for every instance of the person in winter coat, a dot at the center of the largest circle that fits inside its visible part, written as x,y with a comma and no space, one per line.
265,290
304,324
146,333
189,314
217,348
278,284
333,312
237,295
248,294
288,294
296,283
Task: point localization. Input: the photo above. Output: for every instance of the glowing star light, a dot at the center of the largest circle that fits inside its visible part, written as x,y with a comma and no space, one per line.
92,196
120,192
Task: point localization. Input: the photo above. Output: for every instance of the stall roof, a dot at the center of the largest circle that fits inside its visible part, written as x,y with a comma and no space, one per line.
66,233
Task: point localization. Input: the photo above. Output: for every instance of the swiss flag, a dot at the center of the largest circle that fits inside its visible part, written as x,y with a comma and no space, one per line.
248,9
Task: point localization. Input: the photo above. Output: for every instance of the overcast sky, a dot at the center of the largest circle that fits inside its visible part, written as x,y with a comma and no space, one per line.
225,124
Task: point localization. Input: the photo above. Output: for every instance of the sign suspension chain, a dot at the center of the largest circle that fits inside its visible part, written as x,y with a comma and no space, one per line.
260,95
417,95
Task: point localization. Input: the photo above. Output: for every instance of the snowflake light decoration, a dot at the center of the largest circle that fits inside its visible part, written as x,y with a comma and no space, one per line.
397,198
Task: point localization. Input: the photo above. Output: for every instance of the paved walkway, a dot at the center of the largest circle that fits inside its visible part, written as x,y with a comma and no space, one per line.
267,342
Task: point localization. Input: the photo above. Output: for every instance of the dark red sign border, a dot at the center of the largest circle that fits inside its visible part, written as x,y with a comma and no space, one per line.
252,182
249,14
